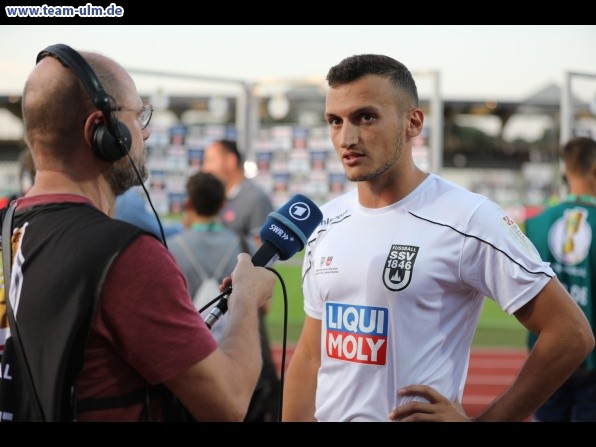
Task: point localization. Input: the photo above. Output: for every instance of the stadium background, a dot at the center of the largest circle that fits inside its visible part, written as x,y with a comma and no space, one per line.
505,150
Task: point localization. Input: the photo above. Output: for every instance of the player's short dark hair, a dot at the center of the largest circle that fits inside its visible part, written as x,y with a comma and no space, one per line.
354,67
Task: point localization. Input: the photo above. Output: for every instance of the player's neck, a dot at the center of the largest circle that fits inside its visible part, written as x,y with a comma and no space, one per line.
390,189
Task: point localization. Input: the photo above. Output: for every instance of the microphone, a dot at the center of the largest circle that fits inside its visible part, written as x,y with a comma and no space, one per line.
284,234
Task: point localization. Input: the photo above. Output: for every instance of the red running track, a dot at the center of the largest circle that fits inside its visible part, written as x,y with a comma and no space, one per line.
490,372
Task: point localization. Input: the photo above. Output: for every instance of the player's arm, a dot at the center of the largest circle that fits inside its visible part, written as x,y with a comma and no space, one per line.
564,340
301,377
219,387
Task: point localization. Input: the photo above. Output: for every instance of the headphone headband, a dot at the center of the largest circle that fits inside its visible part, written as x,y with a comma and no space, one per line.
112,139
72,59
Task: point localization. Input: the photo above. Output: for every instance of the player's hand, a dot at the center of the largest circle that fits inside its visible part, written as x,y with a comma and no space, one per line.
437,409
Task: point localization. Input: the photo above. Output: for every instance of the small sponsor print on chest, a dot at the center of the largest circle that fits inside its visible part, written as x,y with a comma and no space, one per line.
325,266
399,266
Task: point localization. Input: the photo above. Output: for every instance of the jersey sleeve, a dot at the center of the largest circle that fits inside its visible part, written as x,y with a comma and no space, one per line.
500,261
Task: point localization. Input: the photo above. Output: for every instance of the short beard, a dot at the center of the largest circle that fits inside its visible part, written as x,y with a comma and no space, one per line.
381,169
123,176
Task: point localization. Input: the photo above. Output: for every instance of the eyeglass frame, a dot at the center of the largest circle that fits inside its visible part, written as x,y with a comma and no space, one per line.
144,109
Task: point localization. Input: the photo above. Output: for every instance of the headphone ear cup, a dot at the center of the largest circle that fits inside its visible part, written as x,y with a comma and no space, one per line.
106,146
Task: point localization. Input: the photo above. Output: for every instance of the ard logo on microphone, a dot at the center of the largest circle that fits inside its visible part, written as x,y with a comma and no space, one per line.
300,211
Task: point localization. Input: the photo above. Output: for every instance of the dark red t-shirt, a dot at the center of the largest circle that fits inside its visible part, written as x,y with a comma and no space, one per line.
145,329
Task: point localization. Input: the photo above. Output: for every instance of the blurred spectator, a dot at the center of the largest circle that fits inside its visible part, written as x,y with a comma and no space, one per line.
248,205
26,176
563,234
245,212
205,241
133,207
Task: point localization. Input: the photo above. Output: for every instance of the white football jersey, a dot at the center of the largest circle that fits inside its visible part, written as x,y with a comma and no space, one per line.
399,291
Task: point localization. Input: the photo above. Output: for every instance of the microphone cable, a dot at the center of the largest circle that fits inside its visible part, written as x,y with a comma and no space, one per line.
284,336
284,344
119,138
161,230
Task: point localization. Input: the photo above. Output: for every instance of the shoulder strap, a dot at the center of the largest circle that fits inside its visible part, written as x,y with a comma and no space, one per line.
193,260
197,266
224,260
7,268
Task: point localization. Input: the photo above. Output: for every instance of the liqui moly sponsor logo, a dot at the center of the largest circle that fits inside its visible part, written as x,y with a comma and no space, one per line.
356,333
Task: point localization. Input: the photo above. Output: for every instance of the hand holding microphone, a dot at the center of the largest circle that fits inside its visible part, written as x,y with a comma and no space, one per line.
284,234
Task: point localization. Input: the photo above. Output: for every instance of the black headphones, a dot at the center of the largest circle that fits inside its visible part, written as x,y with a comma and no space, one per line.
112,139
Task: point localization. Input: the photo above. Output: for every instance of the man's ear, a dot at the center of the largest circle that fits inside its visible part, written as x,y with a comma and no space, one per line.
91,123
415,119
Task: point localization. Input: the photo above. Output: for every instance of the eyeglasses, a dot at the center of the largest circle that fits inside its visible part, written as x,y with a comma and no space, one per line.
144,114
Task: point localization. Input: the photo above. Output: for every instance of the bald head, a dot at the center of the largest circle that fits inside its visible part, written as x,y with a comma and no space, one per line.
68,134
55,103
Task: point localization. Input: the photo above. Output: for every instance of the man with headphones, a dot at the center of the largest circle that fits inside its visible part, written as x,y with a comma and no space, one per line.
101,327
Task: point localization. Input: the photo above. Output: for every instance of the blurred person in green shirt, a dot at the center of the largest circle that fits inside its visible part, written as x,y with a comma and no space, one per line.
563,234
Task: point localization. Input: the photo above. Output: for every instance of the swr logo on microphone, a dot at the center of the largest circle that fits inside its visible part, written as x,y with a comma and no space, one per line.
280,232
356,333
300,211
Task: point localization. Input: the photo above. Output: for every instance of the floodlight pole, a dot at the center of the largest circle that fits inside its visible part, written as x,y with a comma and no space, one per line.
567,117
435,142
567,105
244,103
436,137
